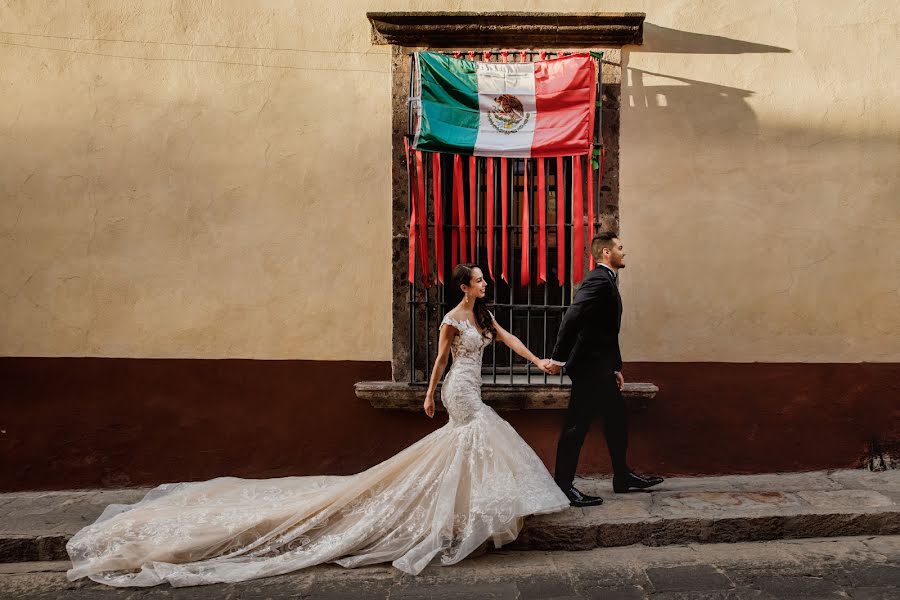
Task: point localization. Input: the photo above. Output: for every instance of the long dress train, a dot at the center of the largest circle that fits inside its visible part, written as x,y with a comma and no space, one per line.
472,480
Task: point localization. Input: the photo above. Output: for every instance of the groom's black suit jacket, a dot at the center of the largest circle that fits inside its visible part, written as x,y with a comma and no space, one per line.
588,339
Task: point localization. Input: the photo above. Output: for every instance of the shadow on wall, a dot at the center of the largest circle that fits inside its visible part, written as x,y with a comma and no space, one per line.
649,91
787,226
674,41
806,190
684,110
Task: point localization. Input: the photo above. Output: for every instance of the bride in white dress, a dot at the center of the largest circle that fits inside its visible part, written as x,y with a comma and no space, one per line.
472,480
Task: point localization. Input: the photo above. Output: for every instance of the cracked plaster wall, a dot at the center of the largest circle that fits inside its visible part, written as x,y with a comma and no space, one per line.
212,179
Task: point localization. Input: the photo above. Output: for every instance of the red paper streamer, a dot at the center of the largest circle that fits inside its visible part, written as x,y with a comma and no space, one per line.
459,203
473,204
489,215
542,221
590,172
422,220
411,273
504,218
525,278
438,215
577,222
560,223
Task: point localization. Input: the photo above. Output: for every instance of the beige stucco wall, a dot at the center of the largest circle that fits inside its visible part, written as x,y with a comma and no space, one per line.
211,179
760,196
178,196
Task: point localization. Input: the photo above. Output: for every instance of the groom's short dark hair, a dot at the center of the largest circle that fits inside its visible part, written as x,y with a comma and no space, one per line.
601,241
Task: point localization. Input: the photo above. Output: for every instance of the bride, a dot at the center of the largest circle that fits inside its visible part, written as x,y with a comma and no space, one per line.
472,480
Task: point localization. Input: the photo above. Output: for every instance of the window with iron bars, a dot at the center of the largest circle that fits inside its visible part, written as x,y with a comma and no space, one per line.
532,311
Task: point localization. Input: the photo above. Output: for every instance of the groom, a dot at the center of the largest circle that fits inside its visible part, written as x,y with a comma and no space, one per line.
588,346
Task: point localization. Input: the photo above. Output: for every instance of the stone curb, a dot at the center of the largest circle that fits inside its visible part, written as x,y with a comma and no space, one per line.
40,548
548,533
551,533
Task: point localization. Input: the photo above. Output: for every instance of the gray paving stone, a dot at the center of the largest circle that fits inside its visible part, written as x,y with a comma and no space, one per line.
713,504
888,546
875,593
43,513
713,595
688,578
781,586
863,479
449,591
787,482
886,575
629,592
589,582
843,567
845,499
808,552
544,586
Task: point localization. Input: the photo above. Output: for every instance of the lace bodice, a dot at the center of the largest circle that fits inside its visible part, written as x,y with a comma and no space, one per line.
461,391
469,342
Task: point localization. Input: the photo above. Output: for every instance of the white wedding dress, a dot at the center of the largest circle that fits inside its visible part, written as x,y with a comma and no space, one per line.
472,480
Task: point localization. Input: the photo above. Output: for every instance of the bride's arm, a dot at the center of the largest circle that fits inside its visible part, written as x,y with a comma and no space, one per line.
448,332
518,347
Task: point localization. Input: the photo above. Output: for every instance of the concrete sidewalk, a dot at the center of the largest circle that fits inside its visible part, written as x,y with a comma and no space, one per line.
34,526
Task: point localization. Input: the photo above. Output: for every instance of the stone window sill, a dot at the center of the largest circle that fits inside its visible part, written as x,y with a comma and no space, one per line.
405,396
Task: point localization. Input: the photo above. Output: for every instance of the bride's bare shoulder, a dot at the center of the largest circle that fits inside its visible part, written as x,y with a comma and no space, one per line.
453,314
456,318
457,315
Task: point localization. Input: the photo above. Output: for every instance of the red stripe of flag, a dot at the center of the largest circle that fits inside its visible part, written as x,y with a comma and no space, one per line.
564,91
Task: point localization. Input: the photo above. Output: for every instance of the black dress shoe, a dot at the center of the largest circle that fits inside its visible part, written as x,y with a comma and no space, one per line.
576,498
625,483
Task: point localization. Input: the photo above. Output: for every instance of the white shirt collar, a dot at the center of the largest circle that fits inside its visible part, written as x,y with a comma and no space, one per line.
608,268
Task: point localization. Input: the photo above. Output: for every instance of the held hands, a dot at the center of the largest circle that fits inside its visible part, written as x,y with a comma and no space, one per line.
547,367
620,380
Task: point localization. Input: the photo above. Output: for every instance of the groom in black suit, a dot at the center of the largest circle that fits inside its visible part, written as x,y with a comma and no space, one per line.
588,346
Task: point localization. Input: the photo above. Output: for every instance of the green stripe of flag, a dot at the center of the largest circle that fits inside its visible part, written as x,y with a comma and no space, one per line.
449,104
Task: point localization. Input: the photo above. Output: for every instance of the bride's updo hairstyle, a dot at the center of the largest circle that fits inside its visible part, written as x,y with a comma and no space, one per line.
462,275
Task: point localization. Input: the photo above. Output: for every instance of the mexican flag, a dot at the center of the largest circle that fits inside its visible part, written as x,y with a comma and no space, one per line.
526,109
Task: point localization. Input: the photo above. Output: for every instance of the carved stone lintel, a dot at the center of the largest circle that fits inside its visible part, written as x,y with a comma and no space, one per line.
506,29
404,396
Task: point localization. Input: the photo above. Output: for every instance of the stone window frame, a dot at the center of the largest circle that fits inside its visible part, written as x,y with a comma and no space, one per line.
409,31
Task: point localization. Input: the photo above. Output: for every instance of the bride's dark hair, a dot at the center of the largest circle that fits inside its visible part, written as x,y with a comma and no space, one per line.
462,275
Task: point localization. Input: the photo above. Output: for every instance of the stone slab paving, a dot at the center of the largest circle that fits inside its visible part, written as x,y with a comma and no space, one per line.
726,509
34,526
846,567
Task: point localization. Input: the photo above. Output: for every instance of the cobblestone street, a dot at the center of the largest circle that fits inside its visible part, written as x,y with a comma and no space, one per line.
850,567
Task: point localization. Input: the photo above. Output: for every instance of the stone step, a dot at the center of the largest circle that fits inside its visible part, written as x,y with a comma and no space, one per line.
35,526
740,508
